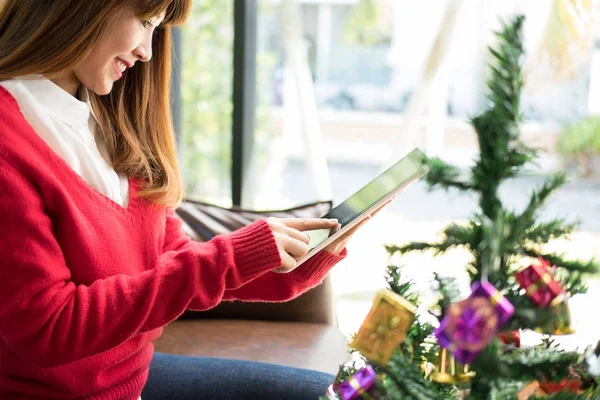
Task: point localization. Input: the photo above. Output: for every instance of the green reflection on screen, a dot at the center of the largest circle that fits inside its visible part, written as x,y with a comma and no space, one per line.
398,174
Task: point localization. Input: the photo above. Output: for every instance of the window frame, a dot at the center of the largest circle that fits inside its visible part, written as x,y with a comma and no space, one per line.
244,91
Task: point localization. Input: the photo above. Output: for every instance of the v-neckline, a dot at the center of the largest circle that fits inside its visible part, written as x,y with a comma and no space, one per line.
78,179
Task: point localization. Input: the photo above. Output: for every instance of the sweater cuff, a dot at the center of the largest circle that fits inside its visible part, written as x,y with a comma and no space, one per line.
255,250
318,266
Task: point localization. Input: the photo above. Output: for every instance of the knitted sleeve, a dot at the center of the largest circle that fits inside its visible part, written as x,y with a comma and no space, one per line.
270,286
276,287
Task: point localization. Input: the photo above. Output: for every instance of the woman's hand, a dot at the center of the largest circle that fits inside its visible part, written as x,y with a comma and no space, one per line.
291,241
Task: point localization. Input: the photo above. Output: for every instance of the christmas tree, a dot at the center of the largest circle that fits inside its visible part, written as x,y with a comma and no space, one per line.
471,349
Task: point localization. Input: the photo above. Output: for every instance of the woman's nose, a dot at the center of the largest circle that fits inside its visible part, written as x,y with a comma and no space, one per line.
143,53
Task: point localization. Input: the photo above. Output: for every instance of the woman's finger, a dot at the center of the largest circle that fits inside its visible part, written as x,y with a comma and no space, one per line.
298,235
308,224
296,248
288,264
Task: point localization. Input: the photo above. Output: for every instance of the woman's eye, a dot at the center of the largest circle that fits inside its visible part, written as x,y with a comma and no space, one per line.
146,23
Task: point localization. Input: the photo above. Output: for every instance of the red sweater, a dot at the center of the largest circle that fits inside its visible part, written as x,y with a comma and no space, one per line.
87,285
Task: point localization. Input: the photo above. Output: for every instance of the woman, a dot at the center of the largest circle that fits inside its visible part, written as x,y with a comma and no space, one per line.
92,258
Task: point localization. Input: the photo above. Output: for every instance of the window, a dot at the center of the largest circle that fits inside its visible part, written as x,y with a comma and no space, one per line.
206,90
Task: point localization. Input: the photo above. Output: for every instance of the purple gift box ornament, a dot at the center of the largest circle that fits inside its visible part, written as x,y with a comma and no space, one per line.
470,325
358,385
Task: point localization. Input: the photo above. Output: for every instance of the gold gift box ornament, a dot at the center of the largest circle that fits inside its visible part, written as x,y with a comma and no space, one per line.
385,327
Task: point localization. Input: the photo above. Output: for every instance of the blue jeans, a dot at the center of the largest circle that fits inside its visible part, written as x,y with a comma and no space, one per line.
175,377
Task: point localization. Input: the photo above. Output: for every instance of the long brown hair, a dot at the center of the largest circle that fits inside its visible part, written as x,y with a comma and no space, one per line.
51,38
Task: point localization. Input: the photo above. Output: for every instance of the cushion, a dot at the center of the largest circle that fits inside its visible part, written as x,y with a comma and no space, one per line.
202,221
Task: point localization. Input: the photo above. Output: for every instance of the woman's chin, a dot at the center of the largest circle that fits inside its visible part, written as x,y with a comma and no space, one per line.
100,84
102,89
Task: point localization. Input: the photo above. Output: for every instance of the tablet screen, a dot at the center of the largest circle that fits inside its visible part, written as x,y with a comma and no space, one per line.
415,163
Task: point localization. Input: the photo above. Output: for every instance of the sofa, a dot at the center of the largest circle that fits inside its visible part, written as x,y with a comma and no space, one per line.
300,333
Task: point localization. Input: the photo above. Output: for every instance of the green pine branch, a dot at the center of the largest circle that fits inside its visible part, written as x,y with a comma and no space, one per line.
572,282
437,248
463,235
448,291
415,346
527,219
496,365
508,389
506,78
401,285
405,381
520,155
504,389
455,235
414,343
497,128
584,267
527,314
538,362
446,176
543,232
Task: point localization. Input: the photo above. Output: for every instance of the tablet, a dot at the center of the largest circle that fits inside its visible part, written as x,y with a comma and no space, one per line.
374,194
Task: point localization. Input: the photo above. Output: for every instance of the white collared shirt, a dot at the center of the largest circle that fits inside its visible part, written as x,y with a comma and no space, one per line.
68,126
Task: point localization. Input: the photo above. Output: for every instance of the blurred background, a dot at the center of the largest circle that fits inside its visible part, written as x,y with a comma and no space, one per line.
286,102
